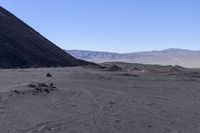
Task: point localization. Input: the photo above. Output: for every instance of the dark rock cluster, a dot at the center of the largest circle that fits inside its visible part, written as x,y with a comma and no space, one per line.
41,87
34,89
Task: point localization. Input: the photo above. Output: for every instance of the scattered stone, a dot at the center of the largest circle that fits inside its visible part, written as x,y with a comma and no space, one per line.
41,87
38,89
47,90
31,85
16,91
52,87
49,75
111,103
148,125
3,108
51,84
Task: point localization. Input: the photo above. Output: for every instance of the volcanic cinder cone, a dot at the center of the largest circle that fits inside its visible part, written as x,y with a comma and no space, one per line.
22,47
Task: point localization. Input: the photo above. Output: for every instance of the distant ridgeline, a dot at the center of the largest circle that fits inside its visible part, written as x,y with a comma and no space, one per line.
23,47
182,57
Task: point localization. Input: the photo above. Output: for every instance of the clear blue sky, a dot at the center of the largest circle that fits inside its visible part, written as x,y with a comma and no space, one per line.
113,25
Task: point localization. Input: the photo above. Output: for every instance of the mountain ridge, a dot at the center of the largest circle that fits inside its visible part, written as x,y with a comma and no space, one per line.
172,56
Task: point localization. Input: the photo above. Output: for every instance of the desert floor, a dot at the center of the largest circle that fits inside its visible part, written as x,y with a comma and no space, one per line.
137,99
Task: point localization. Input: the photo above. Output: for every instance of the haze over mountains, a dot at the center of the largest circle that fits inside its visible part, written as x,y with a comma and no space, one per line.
182,57
21,46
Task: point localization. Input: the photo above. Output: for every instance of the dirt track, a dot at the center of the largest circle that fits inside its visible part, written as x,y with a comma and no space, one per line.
87,100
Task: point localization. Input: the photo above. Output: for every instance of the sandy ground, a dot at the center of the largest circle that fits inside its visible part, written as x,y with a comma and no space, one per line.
139,99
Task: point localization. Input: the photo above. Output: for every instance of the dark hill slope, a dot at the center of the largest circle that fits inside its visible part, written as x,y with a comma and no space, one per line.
21,46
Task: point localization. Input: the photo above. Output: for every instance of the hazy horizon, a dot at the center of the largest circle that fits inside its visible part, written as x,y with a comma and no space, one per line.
114,25
134,51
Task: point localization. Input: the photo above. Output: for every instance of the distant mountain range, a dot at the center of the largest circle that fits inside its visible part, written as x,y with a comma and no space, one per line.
182,57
